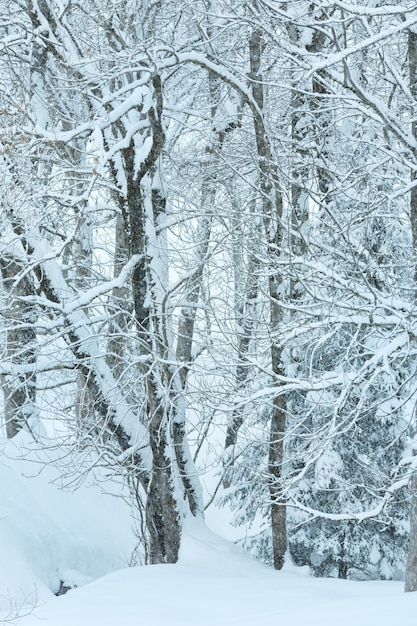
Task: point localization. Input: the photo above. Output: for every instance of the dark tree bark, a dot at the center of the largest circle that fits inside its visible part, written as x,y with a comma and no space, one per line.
411,569
272,211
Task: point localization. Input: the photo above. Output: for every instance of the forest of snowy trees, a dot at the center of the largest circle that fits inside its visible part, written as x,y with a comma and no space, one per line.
209,265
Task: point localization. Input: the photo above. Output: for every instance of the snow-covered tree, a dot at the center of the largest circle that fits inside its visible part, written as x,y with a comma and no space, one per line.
208,212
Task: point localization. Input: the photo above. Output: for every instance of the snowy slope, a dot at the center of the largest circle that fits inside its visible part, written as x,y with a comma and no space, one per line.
214,585
47,535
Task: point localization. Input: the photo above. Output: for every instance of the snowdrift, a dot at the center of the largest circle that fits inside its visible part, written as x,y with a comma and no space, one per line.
84,539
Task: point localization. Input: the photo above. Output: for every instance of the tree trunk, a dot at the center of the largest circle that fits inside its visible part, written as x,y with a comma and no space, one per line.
19,387
246,296
119,349
162,514
272,211
411,569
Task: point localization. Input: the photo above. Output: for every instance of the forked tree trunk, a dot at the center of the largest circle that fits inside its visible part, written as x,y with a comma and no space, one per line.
163,519
172,472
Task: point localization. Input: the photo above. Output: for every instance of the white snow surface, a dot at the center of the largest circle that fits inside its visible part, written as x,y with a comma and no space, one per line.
85,538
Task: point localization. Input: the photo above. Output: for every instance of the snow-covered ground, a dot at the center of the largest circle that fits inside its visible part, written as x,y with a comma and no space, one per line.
85,538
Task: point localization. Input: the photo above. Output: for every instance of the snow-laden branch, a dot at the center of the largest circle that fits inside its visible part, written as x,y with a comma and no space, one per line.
369,11
197,58
83,343
378,362
337,57
359,516
88,296
42,365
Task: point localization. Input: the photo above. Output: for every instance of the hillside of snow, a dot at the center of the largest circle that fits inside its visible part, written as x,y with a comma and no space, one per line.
84,538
